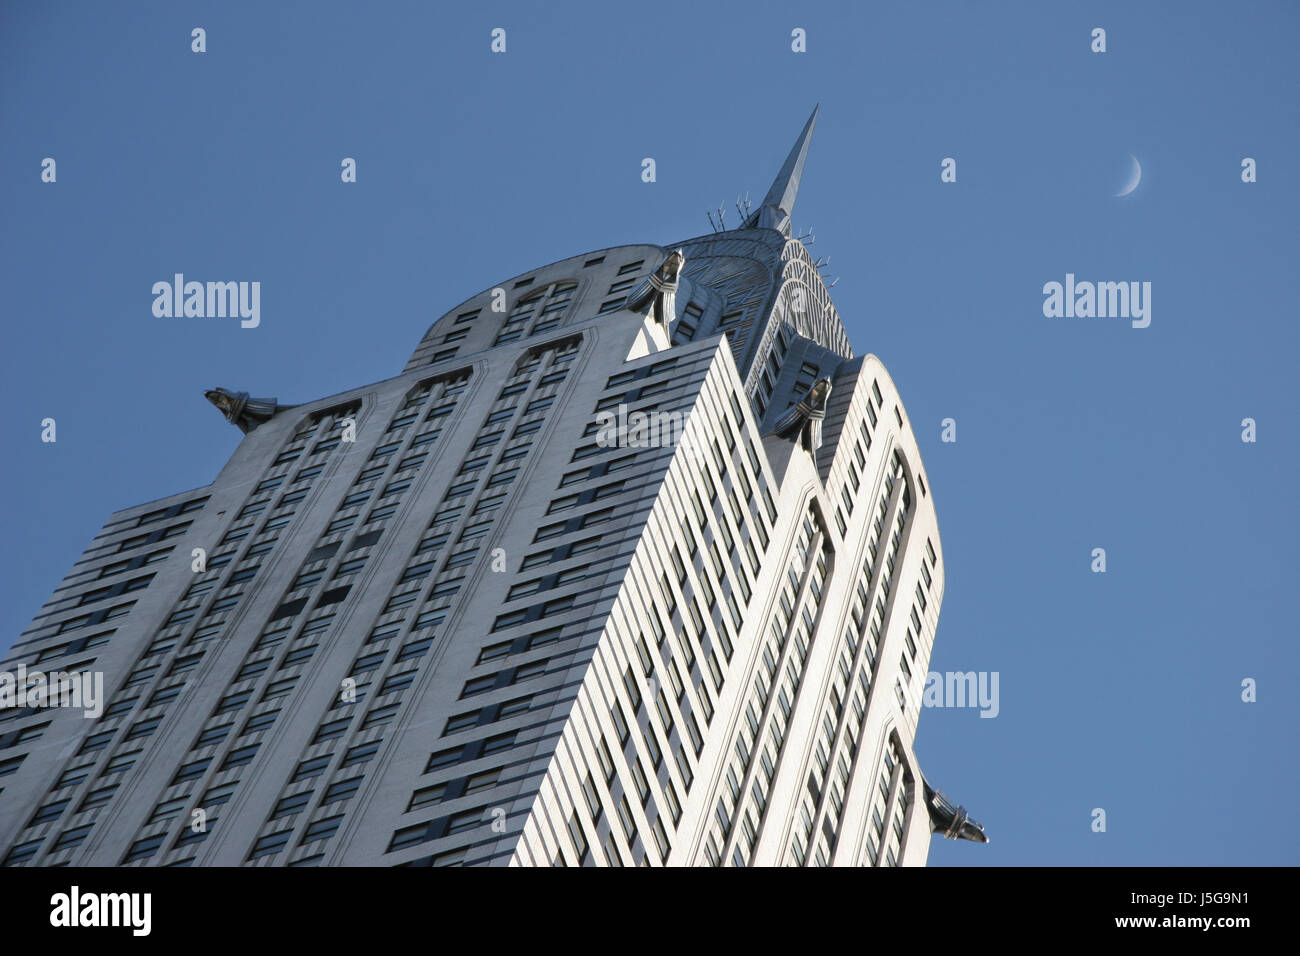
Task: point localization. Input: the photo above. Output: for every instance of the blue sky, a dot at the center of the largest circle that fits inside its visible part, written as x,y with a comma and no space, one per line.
1119,690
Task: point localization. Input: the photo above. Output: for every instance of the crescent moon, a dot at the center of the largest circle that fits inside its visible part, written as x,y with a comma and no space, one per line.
1135,177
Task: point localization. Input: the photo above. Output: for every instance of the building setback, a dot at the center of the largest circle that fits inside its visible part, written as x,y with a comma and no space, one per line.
458,617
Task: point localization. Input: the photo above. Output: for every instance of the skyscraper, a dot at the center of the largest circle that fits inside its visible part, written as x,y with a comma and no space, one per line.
634,563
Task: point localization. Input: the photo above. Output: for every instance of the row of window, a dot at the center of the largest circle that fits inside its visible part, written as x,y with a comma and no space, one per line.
367,668
840,732
152,670
264,658
665,707
536,311
525,400
741,804
337,567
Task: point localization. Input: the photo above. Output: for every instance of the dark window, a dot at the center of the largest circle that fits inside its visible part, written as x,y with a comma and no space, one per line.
290,805
271,843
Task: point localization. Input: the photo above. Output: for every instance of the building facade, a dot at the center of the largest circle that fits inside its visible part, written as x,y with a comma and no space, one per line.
635,563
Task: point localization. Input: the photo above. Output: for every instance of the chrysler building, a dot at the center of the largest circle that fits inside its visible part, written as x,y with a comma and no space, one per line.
457,617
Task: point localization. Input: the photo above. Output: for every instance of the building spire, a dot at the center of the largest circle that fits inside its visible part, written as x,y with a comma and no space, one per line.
778,204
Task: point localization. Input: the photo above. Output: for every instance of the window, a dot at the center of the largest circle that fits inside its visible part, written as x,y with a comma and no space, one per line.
652,745
121,762
465,820
396,683
444,758
143,849
428,795
11,764
216,796
322,829
51,811
512,708
253,669
360,754
478,685
461,722
269,844
299,655
414,649
95,742
342,790
168,809
606,760
409,836
498,743
625,816
97,798
290,805
279,688
332,729
240,756
674,805
310,768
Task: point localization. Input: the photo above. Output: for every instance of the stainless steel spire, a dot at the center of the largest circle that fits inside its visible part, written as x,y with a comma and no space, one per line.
778,204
